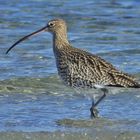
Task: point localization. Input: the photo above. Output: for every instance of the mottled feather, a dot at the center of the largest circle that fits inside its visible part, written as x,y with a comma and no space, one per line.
78,68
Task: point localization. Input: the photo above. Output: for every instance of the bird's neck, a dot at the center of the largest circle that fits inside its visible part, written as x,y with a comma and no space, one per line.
60,41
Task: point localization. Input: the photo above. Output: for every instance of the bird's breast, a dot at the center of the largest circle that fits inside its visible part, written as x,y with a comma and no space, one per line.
73,74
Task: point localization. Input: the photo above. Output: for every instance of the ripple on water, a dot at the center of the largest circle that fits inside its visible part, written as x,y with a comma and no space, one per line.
32,98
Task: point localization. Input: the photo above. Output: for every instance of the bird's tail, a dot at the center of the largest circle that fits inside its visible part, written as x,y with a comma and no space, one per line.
125,80
137,86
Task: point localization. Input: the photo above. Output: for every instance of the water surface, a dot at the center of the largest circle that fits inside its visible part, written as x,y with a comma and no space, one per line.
32,97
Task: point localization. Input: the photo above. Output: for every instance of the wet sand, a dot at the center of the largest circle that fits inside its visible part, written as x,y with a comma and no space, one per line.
95,135
98,129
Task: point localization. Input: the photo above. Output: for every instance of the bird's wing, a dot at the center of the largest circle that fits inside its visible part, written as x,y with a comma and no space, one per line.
116,77
104,71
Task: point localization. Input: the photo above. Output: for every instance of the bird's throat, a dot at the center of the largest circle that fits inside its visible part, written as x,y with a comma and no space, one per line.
60,42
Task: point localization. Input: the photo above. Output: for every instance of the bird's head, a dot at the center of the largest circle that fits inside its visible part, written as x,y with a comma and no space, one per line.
55,26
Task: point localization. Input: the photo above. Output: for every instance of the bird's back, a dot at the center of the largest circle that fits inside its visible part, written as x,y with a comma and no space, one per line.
78,68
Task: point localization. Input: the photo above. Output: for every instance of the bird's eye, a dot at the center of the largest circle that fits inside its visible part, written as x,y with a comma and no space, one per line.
51,24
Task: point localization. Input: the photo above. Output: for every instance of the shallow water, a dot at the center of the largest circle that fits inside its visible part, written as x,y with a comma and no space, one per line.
33,99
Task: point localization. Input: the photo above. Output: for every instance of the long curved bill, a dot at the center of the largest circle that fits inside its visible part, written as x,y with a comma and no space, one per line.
27,36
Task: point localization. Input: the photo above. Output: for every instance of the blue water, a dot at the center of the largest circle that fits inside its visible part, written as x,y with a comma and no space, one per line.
32,97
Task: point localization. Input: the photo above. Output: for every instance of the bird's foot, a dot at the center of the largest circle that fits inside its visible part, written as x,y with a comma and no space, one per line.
94,112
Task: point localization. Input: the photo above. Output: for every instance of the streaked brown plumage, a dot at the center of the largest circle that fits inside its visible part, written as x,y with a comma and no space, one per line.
78,68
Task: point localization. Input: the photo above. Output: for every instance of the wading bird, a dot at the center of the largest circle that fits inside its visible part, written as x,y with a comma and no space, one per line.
78,68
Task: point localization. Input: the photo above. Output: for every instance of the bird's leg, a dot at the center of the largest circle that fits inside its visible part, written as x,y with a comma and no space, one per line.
93,110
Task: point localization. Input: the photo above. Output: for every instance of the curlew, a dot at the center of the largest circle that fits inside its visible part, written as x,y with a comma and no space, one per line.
78,68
